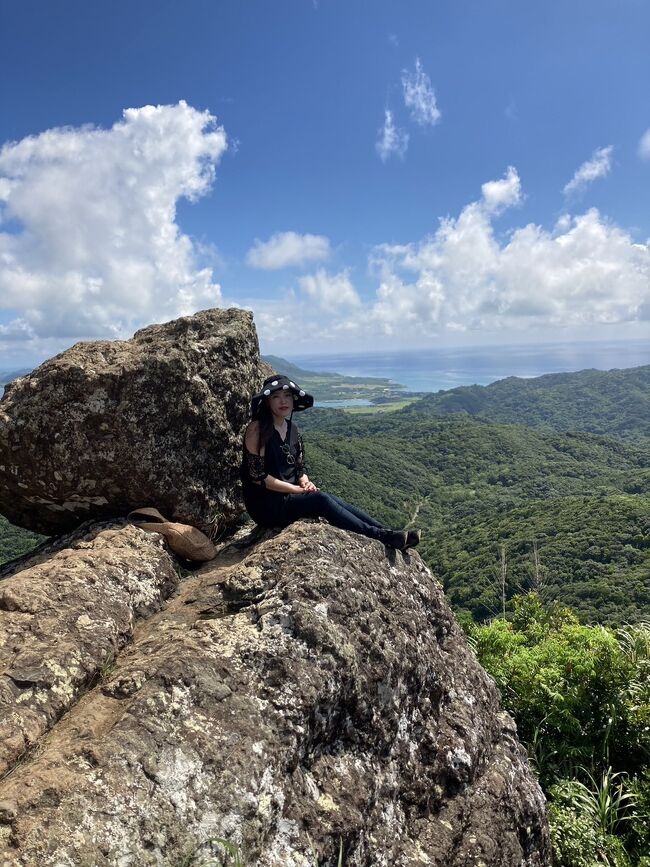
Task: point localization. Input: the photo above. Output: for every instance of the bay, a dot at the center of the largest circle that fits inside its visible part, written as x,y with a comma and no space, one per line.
435,369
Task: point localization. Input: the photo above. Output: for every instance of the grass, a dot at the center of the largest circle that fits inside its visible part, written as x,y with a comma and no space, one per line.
108,666
381,407
27,754
606,801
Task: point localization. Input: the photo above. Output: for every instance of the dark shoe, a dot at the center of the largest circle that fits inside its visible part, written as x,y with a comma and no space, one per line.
413,538
393,538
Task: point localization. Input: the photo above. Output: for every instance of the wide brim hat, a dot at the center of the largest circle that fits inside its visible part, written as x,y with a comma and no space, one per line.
301,400
186,541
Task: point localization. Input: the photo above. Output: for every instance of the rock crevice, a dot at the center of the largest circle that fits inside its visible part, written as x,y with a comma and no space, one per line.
63,619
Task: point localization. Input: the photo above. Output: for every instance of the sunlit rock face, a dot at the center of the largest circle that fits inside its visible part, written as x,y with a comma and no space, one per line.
64,616
307,693
108,426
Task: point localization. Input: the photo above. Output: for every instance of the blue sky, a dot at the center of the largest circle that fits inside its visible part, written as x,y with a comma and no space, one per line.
359,174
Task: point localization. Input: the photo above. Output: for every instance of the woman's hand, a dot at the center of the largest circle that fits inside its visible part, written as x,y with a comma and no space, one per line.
307,486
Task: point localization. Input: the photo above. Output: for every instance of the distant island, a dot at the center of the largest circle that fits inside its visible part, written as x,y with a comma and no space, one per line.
353,393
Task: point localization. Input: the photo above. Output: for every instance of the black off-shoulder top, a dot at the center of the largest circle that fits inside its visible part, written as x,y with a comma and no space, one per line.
282,459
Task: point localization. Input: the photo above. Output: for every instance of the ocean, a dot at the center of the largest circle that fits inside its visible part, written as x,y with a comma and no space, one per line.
435,369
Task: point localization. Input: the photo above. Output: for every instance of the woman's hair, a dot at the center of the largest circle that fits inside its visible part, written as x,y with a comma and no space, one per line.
265,421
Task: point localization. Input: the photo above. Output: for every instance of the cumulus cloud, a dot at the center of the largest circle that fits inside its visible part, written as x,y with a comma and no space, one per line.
644,145
285,249
392,140
504,193
585,270
419,96
598,166
294,315
89,244
330,291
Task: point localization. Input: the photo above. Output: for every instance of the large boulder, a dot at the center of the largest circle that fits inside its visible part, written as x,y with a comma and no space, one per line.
108,426
310,694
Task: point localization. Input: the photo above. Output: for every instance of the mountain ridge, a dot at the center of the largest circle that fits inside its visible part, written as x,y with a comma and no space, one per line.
615,402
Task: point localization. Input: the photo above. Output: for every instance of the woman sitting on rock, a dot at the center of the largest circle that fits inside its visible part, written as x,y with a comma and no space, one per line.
277,490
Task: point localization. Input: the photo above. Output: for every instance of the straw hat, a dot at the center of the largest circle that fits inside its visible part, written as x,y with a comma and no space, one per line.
184,540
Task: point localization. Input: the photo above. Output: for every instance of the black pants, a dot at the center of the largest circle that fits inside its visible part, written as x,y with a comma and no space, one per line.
318,504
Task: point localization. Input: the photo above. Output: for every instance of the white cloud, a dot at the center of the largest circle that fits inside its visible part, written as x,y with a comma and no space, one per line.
584,271
288,248
498,195
330,291
644,145
419,96
286,316
391,139
582,275
97,251
16,330
598,166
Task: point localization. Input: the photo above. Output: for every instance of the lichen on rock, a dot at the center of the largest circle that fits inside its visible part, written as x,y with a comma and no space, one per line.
108,426
311,691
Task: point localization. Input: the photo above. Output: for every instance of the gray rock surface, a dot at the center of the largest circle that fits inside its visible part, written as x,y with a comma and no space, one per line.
311,690
108,426
63,619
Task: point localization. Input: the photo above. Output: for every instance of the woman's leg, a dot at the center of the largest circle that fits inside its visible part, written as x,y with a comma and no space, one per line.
318,504
358,512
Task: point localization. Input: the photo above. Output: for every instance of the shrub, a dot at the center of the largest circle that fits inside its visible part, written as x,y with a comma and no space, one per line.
576,838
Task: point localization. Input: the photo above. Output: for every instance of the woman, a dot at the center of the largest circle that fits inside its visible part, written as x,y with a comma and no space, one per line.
277,490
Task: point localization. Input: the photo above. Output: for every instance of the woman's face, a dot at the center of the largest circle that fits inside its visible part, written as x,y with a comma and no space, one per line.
281,402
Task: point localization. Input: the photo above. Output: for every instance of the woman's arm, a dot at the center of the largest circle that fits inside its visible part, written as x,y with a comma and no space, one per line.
303,479
283,487
251,441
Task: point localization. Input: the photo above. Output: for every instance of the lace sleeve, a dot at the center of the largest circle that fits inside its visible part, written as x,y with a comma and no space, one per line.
300,458
255,467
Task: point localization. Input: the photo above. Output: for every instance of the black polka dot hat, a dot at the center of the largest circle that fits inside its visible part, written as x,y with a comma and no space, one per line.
301,400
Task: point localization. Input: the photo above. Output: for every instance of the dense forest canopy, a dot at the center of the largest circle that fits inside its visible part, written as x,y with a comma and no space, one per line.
613,402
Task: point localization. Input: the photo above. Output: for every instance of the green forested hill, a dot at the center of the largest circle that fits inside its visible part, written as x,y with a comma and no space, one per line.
15,541
478,486
551,505
614,402
590,553
290,369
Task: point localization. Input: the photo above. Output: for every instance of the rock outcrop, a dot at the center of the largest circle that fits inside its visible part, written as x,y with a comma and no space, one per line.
65,617
108,426
308,693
